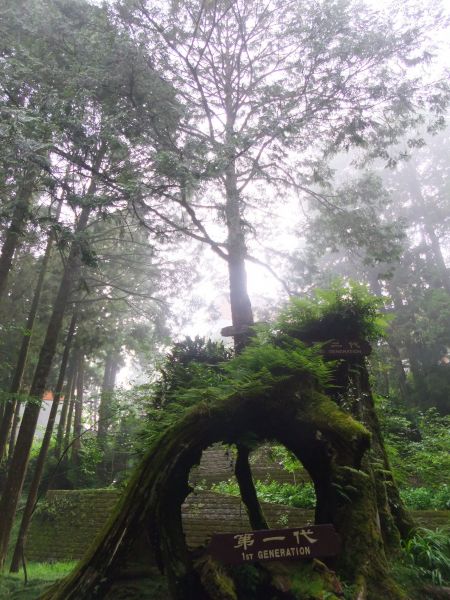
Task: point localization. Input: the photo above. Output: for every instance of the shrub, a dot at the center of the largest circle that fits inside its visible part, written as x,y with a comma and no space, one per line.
423,498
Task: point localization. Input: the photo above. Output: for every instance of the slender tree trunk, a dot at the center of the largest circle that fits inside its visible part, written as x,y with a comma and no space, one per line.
16,228
77,422
241,308
67,434
247,489
19,461
34,486
65,409
105,411
16,383
14,427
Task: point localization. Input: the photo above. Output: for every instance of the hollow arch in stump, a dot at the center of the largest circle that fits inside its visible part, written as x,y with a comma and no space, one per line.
326,439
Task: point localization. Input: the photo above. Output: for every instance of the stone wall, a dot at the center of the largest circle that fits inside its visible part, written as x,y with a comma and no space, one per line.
217,465
67,522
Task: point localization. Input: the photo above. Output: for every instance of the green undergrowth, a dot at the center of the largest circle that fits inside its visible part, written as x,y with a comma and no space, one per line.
424,562
40,577
426,498
297,495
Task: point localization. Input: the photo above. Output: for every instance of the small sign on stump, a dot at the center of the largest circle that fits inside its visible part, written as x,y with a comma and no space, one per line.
311,541
346,348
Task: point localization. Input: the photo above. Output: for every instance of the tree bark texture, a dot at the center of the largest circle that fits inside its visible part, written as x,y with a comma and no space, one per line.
241,308
351,387
69,422
40,462
14,428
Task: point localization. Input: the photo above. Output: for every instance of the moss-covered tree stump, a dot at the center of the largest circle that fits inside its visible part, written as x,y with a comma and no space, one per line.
329,443
277,389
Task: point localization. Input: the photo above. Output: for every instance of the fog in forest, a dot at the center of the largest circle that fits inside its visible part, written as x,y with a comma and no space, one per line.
204,203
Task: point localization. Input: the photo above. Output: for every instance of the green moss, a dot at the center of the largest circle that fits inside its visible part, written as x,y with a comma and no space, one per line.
313,581
363,560
327,415
216,582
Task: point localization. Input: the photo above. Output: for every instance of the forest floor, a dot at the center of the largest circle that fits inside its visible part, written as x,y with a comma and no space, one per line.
40,576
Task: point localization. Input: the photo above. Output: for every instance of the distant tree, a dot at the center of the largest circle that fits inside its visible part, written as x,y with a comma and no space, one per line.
390,228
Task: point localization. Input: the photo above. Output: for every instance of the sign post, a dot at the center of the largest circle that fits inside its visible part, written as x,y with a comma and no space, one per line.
310,541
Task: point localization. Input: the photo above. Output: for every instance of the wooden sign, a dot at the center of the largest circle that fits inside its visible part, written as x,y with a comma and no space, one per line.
265,545
231,331
346,348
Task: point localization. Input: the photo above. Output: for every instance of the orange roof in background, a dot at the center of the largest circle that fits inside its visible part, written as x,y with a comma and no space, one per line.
48,396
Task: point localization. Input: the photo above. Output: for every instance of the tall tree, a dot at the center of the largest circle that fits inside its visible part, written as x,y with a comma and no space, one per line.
272,89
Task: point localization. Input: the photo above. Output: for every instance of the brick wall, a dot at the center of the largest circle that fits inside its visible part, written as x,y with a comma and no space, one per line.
217,465
69,520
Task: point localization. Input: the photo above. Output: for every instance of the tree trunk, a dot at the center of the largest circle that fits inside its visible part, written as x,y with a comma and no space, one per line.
241,308
65,409
16,383
105,411
19,461
35,482
16,228
394,515
67,434
242,319
77,421
109,381
14,427
244,477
